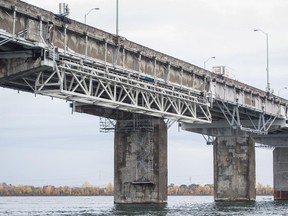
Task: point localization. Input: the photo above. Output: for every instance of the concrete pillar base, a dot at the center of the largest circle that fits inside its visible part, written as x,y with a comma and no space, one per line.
140,160
234,169
280,173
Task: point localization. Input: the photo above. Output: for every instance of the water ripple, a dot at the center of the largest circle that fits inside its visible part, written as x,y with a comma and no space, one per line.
177,206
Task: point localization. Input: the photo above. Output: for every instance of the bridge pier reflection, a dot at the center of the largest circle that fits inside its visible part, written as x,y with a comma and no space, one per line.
234,169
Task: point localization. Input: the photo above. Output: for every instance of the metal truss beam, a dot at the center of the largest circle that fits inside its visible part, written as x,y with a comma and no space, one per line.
209,139
108,125
233,117
102,85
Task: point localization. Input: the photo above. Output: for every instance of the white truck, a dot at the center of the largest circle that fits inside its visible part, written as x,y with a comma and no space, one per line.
224,71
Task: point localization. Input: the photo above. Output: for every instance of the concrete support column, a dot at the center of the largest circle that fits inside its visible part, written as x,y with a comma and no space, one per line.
280,173
140,167
234,169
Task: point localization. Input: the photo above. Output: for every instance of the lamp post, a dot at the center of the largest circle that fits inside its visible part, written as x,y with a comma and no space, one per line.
281,90
117,14
213,57
88,13
267,56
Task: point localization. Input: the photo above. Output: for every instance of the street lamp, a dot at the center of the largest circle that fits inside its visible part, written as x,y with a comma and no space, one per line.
213,57
281,90
267,55
117,17
89,12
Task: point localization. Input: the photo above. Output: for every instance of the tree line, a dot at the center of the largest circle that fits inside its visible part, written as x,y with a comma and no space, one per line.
208,189
192,189
89,190
49,190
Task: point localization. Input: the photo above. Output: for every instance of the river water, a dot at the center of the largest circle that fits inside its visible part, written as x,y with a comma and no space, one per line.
99,205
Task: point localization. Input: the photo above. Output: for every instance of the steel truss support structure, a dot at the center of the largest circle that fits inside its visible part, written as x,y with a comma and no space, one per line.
260,123
108,125
209,139
8,39
100,84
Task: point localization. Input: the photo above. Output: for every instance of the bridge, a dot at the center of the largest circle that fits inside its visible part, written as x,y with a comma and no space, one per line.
143,91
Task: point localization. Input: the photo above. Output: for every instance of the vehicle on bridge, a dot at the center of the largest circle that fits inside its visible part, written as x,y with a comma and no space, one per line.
224,71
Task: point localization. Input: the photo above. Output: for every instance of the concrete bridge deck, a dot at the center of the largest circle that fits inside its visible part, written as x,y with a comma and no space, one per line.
50,54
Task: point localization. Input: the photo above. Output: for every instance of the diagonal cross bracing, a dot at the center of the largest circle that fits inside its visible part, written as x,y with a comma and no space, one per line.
260,124
94,84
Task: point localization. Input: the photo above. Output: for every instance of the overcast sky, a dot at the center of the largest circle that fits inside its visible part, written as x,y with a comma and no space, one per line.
41,142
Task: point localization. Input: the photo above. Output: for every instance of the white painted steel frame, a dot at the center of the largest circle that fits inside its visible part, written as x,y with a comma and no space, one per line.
102,85
234,119
108,125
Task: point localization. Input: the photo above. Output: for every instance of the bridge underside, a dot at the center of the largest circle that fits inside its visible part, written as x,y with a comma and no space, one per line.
106,75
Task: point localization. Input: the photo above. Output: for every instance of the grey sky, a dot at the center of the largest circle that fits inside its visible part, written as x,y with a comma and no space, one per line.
42,143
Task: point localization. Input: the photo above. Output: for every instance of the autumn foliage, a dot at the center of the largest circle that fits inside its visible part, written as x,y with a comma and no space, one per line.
263,190
199,190
89,190
25,190
193,189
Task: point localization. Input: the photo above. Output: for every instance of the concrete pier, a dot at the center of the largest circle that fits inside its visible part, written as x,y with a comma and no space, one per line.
234,169
280,173
140,160
107,75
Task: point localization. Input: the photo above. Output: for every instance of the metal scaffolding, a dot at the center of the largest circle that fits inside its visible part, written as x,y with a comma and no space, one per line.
76,80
